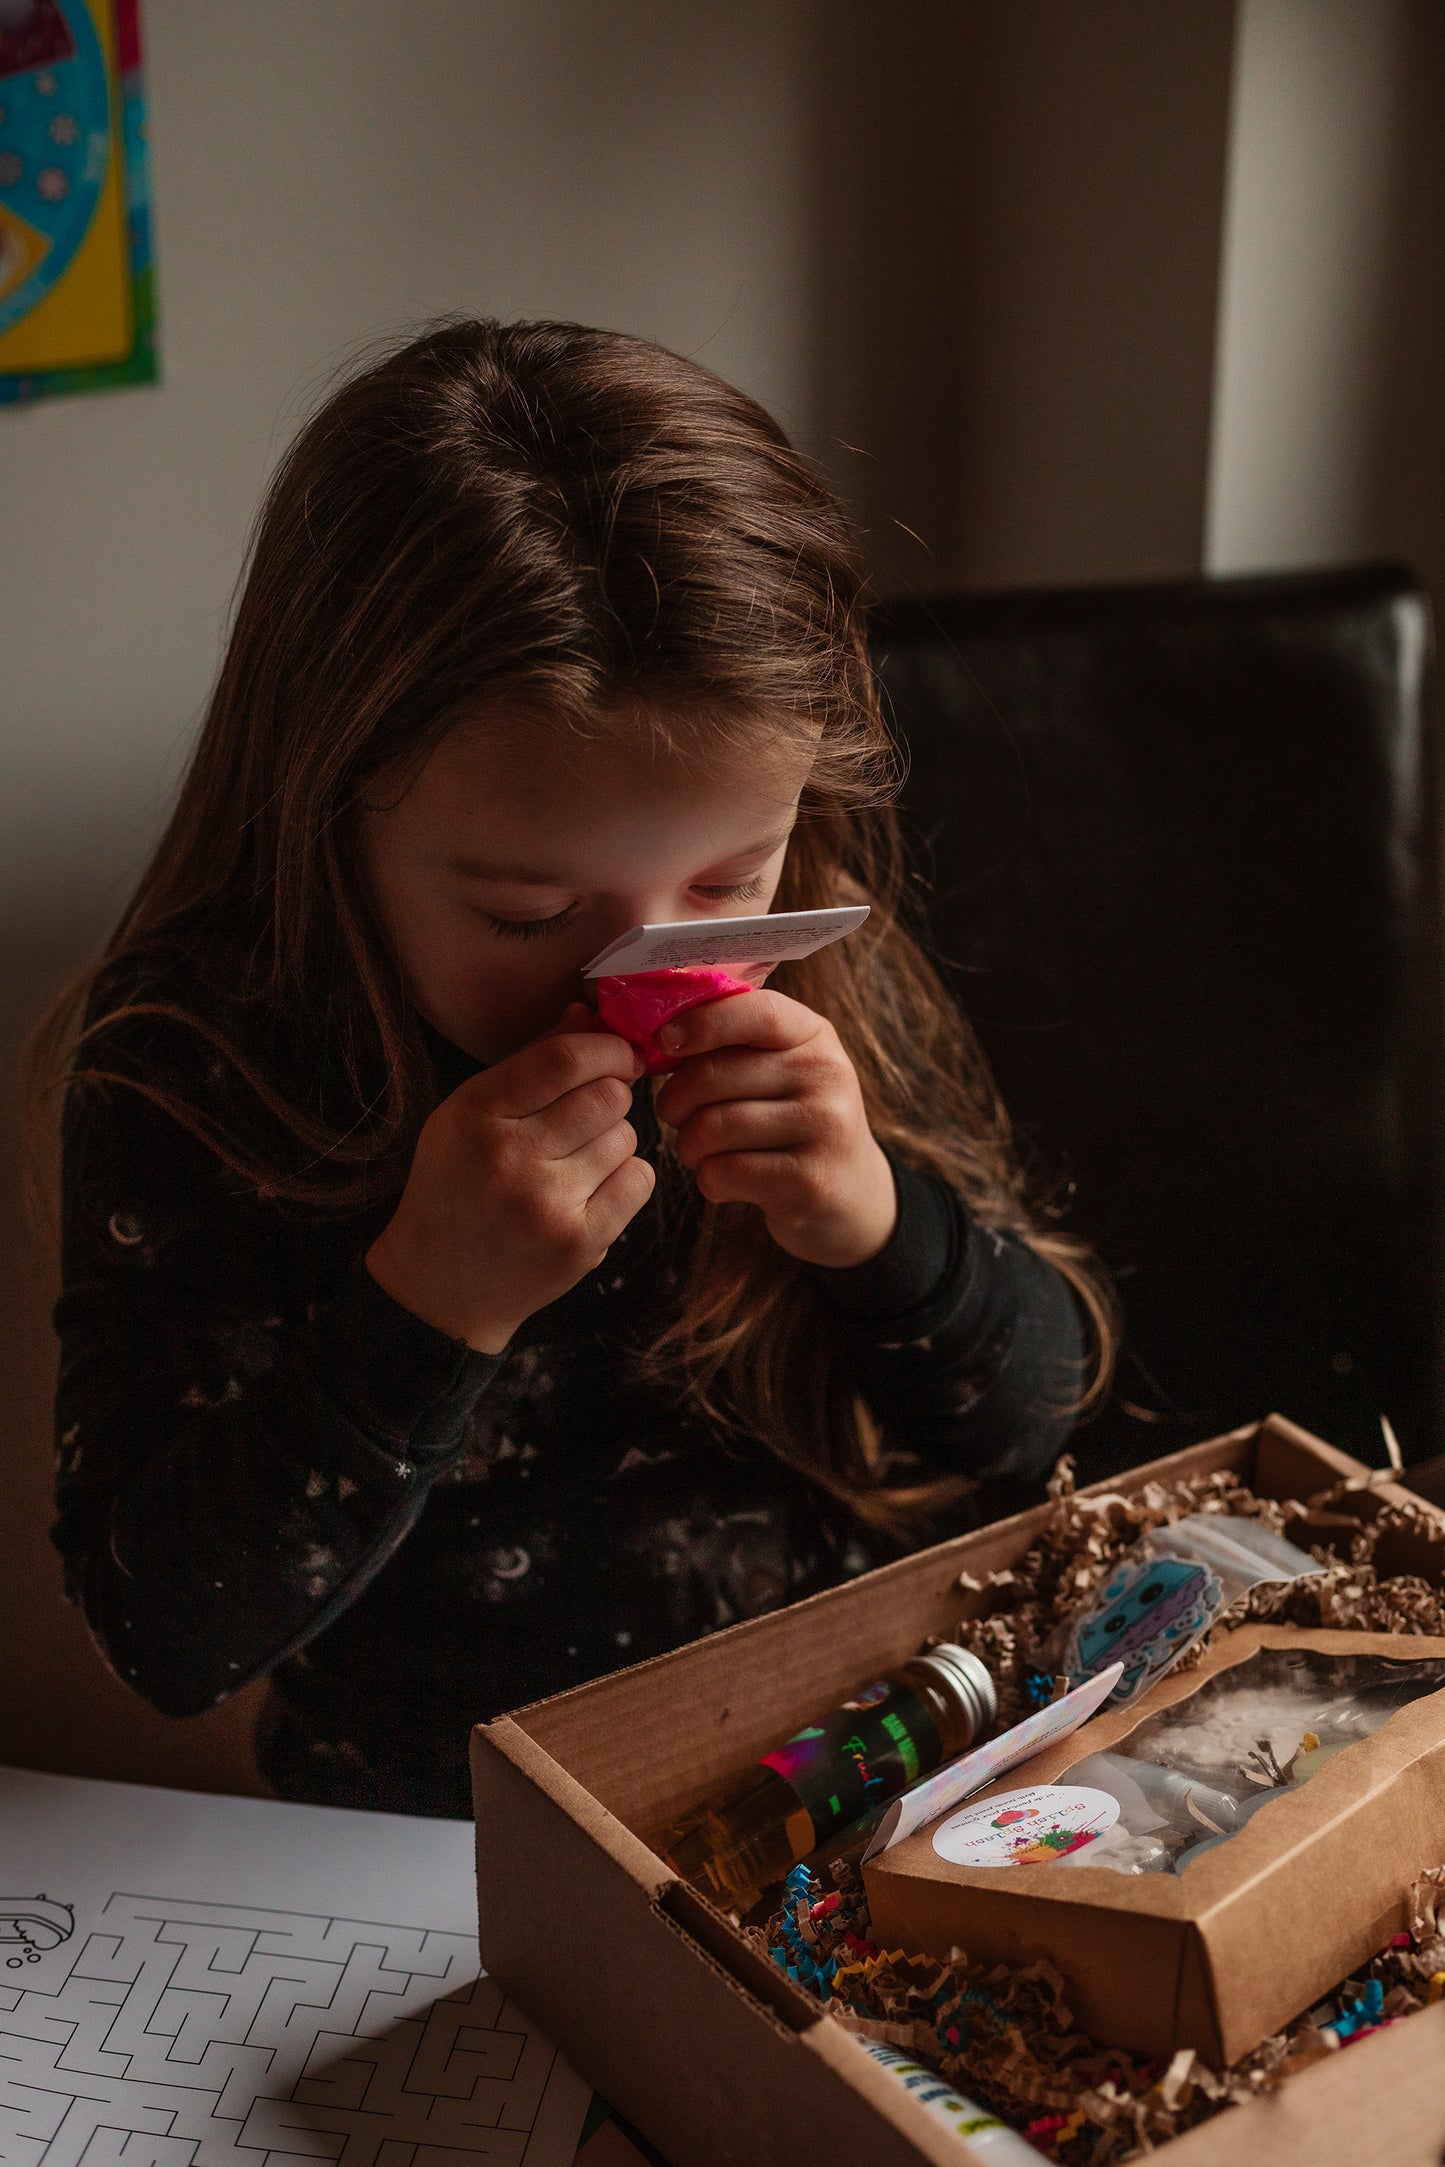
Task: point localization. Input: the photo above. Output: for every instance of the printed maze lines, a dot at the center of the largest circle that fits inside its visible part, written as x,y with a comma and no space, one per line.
214,2035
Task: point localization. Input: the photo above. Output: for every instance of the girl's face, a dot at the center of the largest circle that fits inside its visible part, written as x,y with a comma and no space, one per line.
506,864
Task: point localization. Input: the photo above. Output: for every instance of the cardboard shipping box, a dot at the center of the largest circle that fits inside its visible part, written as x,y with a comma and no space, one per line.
717,2057
1221,1956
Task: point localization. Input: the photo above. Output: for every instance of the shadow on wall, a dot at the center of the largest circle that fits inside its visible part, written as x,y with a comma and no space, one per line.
59,1707
1404,470
1016,236
890,307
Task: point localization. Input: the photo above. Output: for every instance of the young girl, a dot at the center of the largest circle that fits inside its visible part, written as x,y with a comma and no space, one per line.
412,1351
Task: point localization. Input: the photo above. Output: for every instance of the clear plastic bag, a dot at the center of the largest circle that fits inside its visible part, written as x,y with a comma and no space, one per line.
1239,1552
1166,1592
1190,1777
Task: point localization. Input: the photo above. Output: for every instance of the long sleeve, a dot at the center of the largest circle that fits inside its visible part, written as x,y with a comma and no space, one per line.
967,1345
243,1436
265,1465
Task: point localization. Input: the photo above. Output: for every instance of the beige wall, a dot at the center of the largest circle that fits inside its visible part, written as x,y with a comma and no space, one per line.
323,175
1017,271
1329,427
970,251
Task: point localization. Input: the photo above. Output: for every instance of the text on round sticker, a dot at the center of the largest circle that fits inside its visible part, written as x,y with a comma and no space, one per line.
1025,1828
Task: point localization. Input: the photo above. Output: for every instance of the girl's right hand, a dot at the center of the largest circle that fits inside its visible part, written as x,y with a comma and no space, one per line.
520,1182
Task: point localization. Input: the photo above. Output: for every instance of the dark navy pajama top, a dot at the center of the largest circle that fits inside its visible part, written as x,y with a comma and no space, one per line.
267,1466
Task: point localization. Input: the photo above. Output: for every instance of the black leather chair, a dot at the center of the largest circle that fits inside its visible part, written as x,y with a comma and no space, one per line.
1182,842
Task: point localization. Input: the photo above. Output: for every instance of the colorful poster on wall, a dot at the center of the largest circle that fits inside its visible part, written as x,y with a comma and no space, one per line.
77,286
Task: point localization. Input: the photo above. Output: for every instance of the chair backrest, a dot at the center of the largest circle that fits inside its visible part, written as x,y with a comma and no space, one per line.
1183,845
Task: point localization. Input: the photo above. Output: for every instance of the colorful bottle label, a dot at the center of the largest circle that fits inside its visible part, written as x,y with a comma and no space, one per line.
860,1756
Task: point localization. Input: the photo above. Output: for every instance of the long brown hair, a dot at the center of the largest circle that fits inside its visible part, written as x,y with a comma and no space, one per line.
603,536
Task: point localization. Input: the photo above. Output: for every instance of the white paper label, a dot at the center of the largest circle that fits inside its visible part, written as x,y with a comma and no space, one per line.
976,1770
1026,1828
697,943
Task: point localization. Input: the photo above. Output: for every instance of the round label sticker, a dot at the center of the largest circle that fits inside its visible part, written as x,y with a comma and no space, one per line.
1025,1828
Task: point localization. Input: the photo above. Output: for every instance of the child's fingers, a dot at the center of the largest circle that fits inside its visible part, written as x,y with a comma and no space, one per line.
761,1019
586,1168
769,1179
580,1115
543,1072
744,1125
735,1072
619,1199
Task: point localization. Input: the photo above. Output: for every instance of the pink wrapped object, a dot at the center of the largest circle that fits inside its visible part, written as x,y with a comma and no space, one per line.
638,1004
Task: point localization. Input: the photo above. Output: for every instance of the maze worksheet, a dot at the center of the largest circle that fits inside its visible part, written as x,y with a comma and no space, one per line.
142,2029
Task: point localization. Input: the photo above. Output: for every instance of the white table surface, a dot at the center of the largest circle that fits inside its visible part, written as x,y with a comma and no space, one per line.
188,1980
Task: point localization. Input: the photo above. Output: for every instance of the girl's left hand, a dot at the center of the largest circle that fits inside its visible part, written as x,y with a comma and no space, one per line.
768,1111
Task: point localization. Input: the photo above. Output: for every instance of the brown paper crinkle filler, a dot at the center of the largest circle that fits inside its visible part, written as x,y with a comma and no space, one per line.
1007,2036
1016,1612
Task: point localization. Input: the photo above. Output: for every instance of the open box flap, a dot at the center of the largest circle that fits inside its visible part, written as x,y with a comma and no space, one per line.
713,2053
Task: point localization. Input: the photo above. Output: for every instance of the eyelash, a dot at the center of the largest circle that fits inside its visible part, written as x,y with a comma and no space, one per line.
740,894
531,929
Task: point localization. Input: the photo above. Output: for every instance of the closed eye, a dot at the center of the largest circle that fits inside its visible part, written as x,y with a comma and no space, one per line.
741,893
530,929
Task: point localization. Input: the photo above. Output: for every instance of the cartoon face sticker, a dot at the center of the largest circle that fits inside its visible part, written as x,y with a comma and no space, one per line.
1145,1616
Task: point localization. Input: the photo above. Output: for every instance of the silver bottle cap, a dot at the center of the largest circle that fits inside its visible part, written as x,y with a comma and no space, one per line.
969,1679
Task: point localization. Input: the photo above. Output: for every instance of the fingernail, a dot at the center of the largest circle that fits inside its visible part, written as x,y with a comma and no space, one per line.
672,1036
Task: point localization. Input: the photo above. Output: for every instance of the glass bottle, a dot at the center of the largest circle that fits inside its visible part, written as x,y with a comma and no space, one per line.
903,1726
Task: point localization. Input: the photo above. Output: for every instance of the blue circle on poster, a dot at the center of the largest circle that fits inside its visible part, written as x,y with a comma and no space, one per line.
55,145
